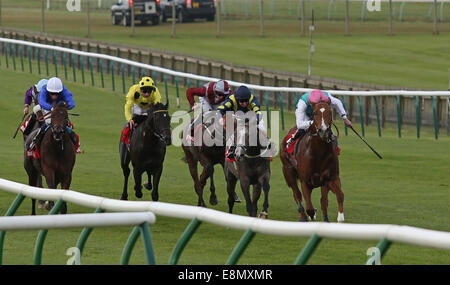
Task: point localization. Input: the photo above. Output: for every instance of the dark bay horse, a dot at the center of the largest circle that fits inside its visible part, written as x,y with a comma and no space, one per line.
317,165
207,154
57,155
252,166
147,151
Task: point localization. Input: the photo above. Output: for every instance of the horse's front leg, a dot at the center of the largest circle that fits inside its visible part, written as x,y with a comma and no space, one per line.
124,163
256,194
306,191
33,180
212,188
51,183
266,188
245,186
291,179
231,190
65,184
324,202
156,178
193,170
235,196
148,185
137,173
335,186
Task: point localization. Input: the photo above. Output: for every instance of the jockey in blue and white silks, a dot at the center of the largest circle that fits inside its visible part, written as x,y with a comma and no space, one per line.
53,93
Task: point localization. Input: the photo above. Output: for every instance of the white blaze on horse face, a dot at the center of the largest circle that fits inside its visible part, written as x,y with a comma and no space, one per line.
324,126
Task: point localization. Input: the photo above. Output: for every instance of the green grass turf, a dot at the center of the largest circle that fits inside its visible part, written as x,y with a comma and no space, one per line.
408,187
412,57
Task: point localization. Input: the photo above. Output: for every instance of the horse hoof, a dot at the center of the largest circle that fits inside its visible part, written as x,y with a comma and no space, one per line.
263,215
125,198
41,204
148,186
155,197
213,200
302,218
48,205
138,194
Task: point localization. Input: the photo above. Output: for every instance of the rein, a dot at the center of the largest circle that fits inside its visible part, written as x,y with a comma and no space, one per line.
158,135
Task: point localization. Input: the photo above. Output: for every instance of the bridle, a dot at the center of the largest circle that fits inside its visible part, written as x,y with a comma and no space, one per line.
327,137
59,129
262,149
157,134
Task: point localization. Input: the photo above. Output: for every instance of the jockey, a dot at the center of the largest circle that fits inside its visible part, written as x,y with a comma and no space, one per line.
241,100
53,93
211,95
304,112
31,96
138,101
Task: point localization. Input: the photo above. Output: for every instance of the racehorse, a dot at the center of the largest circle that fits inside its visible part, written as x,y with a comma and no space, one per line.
316,164
147,151
207,155
252,167
57,155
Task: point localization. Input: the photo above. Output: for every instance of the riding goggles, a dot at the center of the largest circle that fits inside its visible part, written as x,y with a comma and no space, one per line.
54,93
148,89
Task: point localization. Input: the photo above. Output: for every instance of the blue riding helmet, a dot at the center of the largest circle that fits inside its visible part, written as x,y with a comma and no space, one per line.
242,93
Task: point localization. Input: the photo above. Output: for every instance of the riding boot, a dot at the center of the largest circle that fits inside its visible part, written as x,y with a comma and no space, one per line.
30,125
230,153
38,138
297,135
335,142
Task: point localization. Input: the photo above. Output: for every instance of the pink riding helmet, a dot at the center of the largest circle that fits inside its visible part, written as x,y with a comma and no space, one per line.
317,96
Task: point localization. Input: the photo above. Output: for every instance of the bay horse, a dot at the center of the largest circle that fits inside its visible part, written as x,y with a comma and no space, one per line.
57,155
252,166
316,165
208,155
147,151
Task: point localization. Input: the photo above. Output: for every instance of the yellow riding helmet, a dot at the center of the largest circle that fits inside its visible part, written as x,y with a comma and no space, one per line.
147,81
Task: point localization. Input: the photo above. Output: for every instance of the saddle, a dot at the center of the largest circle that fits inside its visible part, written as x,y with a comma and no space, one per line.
127,131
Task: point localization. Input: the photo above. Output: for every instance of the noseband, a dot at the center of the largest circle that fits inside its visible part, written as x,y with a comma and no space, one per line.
158,135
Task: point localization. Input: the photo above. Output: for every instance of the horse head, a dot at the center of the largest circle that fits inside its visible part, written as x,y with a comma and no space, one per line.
159,122
247,136
322,121
59,120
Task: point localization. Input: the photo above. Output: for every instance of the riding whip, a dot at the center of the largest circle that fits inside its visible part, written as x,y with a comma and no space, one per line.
374,151
17,130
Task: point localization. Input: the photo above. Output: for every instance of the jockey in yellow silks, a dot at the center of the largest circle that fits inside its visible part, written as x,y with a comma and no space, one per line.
138,101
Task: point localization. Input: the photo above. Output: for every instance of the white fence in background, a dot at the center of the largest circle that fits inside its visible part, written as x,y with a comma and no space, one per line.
232,83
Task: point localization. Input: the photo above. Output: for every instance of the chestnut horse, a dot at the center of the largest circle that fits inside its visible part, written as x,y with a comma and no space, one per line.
207,155
317,165
57,155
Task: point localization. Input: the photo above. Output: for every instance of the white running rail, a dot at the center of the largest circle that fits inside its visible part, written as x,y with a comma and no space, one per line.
75,220
393,233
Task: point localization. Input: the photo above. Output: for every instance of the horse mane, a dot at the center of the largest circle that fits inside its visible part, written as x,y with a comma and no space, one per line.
158,106
61,104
